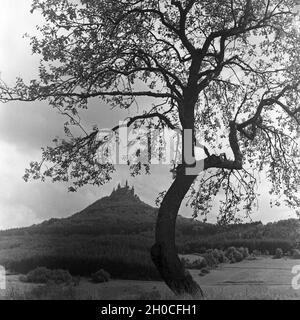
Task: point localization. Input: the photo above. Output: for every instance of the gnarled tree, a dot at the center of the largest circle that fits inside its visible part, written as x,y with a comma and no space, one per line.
226,71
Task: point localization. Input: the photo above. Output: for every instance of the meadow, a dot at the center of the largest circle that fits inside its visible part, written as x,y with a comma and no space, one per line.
261,279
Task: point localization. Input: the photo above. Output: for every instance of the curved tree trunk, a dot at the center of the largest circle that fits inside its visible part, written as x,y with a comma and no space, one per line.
163,252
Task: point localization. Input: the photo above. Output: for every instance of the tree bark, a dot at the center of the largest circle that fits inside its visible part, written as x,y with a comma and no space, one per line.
164,252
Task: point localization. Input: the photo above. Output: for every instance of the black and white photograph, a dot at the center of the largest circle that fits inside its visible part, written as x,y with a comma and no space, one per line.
149,150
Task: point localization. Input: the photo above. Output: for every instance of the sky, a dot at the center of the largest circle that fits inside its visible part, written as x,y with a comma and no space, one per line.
26,127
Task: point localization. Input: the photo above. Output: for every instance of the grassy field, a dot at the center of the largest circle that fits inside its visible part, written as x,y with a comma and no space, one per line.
264,278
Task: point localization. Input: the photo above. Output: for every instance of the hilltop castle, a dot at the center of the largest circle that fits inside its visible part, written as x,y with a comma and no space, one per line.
123,191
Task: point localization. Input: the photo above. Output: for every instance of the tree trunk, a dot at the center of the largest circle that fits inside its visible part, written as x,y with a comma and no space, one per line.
163,252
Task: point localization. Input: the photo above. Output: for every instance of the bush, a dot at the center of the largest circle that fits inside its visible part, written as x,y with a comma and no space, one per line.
61,276
203,272
244,252
256,252
278,253
234,255
252,244
199,263
45,275
210,259
296,254
219,255
100,276
38,275
196,264
23,278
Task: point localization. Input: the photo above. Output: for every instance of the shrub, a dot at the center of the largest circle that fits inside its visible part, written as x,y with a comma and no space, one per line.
199,263
38,275
45,275
196,264
244,252
203,272
252,244
296,254
278,253
233,255
219,255
210,259
61,276
256,252
23,278
100,276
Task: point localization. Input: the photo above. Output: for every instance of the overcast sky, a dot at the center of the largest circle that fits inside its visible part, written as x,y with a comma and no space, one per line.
26,127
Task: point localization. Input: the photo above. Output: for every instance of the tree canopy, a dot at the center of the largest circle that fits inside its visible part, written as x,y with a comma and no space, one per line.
226,69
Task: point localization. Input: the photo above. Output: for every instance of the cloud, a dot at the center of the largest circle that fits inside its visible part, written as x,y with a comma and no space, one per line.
29,126
22,204
17,216
12,213
15,53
